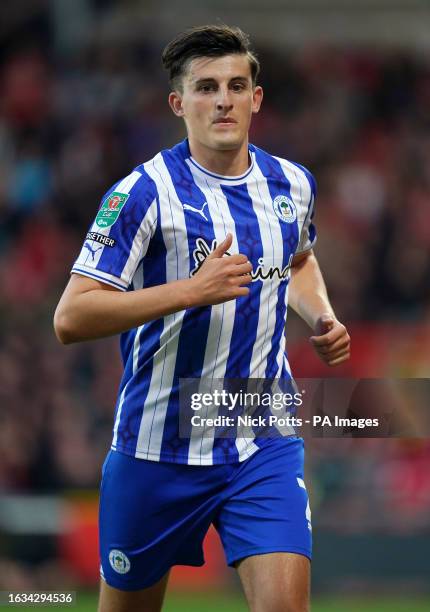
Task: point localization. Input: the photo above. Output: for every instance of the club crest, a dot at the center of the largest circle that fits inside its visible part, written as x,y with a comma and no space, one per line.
119,561
285,208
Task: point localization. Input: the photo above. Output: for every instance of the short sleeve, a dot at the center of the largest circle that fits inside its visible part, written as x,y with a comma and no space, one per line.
119,236
308,235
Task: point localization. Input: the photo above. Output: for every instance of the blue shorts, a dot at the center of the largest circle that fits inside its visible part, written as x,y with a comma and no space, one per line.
155,515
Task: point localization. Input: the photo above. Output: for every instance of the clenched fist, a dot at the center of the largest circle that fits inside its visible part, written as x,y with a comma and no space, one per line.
332,341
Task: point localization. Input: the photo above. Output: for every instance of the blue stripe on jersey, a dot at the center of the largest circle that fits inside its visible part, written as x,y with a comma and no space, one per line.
309,176
247,307
311,210
188,193
138,387
195,324
124,231
137,383
154,273
154,262
126,342
247,233
278,184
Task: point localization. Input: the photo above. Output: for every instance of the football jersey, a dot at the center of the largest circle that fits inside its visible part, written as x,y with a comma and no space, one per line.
158,225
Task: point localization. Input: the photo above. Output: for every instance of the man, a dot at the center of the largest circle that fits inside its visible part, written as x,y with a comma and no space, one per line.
189,258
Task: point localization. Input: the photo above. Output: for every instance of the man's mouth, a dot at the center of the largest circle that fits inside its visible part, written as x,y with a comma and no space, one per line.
225,120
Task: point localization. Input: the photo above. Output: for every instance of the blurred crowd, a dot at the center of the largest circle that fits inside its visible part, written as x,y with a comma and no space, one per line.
71,127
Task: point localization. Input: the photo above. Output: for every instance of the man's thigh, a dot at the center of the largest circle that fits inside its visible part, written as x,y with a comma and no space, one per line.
266,508
152,516
276,582
144,600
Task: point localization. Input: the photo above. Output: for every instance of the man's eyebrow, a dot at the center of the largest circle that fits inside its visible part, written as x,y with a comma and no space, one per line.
213,80
205,80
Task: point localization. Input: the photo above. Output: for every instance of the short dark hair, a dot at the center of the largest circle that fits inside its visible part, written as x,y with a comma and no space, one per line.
206,41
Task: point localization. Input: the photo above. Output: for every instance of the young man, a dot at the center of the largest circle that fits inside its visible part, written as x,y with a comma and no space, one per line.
189,258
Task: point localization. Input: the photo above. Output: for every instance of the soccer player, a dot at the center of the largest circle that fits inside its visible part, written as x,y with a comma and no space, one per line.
190,258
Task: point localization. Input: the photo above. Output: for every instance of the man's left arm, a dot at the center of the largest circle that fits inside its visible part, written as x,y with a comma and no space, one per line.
308,297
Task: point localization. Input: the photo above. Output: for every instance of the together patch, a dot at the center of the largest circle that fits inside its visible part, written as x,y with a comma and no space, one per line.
100,238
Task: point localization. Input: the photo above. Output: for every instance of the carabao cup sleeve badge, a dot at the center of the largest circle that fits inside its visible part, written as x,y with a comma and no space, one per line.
110,209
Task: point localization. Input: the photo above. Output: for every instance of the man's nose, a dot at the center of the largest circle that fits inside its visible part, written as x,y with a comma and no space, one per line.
224,100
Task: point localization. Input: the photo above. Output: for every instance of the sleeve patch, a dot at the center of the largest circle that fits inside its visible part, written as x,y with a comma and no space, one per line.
110,209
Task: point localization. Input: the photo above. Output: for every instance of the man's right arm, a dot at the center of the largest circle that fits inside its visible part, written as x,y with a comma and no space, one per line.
89,309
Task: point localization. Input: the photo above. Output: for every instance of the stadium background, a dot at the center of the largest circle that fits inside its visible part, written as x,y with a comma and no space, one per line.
83,100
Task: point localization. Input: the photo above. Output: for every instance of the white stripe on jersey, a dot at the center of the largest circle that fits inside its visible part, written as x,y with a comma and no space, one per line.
136,346
177,266
138,249
221,321
138,280
272,247
140,243
300,189
136,255
281,358
273,251
124,187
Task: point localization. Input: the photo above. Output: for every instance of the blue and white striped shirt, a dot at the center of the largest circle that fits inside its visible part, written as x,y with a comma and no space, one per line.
157,225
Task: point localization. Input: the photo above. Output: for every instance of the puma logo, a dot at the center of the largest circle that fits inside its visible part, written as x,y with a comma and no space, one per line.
199,211
91,250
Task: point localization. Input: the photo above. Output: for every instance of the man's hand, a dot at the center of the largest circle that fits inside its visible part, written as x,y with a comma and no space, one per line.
220,278
331,342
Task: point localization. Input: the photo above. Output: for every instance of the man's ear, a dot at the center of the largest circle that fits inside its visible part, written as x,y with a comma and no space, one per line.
257,99
175,103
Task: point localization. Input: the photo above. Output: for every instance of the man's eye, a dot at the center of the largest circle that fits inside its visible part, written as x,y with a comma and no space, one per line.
205,88
238,87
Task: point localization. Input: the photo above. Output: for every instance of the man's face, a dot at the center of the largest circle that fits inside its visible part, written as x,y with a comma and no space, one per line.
217,101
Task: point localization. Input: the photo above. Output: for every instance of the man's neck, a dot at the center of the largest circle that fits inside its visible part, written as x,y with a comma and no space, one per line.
225,163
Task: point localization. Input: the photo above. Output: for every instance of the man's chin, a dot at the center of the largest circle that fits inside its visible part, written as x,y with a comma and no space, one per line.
227,144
